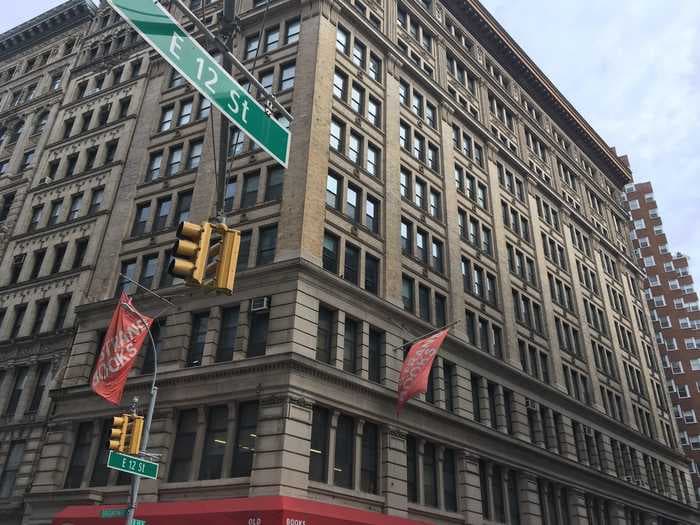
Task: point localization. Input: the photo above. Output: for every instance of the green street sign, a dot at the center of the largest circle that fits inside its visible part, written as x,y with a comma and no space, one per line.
132,465
113,513
137,522
153,22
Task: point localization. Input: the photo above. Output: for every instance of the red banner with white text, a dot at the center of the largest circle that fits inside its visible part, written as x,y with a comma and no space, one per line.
416,368
121,345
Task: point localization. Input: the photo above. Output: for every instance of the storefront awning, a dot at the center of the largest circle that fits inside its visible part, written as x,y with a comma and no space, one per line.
264,510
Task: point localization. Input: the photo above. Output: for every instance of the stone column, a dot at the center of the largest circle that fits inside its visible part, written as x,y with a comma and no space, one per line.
394,471
469,486
463,393
175,342
6,388
420,451
567,439
357,449
550,430
243,331
281,462
363,357
617,513
484,399
440,456
211,340
530,505
519,418
198,448
501,422
439,383
339,338
577,507
230,438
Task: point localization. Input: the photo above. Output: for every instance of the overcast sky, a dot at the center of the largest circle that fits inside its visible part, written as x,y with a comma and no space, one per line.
630,67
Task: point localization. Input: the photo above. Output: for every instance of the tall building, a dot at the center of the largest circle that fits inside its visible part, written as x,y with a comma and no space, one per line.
436,176
673,303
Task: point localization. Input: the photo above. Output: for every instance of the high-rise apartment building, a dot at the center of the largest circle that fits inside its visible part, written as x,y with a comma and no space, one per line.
436,176
673,303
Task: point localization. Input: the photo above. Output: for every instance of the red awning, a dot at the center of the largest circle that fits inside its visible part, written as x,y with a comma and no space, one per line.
263,510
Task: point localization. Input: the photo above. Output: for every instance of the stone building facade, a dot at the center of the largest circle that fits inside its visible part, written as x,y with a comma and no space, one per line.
673,303
436,176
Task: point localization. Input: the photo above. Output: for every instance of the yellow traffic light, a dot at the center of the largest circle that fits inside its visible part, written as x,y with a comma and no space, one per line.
190,251
224,258
134,432
117,437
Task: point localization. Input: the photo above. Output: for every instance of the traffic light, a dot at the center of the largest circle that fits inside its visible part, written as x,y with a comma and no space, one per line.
190,252
117,436
133,436
223,258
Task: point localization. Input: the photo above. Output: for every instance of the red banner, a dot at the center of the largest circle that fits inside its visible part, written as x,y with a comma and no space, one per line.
122,343
416,368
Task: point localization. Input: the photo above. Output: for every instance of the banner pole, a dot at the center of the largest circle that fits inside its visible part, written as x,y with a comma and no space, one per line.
136,480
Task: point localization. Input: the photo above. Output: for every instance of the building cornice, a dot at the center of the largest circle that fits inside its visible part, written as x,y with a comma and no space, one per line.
49,23
498,42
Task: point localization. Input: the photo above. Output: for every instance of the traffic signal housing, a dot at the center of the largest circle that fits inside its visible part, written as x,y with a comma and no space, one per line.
134,433
190,252
117,436
223,258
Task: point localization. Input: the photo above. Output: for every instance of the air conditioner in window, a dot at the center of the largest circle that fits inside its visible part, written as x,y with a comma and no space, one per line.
529,403
260,304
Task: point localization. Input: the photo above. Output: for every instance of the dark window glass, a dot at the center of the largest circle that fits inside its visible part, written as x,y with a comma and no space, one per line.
199,333
429,475
412,469
148,365
59,252
350,345
214,443
318,460
17,389
183,449
267,244
344,452
227,335
244,250
370,459
100,472
258,334
376,339
245,439
324,338
81,246
79,458
40,388
352,264
250,190
450,480
371,274
275,180
330,252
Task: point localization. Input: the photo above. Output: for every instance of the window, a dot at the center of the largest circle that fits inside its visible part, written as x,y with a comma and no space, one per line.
372,214
267,244
174,160
352,264
376,343
324,335
183,448
337,134
195,155
79,458
318,460
258,334
330,252
76,204
369,466
293,28
17,389
359,54
182,211
61,311
27,160
245,439
42,381
143,213
6,205
251,46
80,250
352,201
407,293
344,452
340,85
287,74
342,40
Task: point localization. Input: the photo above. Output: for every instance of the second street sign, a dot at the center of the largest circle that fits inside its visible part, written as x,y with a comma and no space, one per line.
132,465
164,34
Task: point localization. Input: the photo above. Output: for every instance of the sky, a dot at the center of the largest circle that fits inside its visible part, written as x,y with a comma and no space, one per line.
630,67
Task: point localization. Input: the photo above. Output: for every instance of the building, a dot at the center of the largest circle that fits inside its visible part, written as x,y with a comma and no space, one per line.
477,195
38,285
673,303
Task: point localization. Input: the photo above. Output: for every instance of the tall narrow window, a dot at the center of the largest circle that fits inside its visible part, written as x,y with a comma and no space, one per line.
197,338
318,457
80,456
376,339
258,334
429,475
344,452
227,334
245,439
250,190
324,336
369,467
17,389
267,244
183,449
214,443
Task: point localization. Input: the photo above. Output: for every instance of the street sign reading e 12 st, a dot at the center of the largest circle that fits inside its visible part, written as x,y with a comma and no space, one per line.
164,34
132,465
